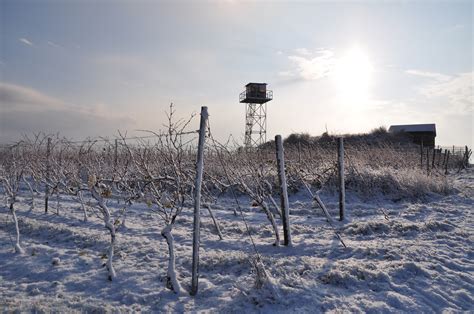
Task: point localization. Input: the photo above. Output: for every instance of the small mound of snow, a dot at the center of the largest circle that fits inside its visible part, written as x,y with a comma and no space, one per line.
367,228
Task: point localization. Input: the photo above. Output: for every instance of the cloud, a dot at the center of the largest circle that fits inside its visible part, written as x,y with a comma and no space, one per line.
54,45
303,51
431,75
450,94
455,93
24,110
25,41
16,97
310,66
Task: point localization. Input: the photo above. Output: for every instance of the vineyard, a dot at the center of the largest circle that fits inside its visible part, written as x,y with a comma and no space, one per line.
108,224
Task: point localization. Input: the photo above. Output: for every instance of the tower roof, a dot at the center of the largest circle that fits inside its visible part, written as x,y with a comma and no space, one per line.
255,84
413,128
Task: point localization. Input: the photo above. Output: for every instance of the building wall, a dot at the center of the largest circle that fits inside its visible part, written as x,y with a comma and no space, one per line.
427,138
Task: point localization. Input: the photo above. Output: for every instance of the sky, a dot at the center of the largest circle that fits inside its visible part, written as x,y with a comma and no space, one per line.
90,68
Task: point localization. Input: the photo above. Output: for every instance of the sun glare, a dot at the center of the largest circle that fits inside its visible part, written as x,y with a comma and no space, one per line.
352,76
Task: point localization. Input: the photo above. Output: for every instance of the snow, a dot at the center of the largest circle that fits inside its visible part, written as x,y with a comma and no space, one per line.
419,260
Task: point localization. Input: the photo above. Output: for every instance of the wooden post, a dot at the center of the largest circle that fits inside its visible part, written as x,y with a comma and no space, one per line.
421,157
433,160
285,208
342,189
115,155
466,157
48,173
444,157
446,165
197,200
299,152
440,153
427,160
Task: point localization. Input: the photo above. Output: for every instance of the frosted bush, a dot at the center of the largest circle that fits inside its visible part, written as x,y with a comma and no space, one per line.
395,183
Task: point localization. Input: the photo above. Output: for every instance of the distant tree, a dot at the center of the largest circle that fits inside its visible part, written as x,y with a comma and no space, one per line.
381,130
298,138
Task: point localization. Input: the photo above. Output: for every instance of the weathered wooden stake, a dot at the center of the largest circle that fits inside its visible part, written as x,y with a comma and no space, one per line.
342,188
421,157
446,165
467,155
48,171
285,207
440,153
427,161
115,155
299,152
197,200
434,158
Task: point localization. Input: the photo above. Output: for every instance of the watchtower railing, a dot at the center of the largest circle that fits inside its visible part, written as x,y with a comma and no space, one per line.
268,95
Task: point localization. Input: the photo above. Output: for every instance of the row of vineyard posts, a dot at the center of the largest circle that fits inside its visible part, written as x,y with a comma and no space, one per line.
435,159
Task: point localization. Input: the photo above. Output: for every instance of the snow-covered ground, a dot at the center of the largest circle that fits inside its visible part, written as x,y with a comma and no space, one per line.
420,259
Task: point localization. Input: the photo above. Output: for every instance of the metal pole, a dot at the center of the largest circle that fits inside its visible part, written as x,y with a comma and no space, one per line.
285,207
197,200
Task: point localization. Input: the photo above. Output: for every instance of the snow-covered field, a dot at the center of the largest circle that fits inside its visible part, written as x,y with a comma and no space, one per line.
419,260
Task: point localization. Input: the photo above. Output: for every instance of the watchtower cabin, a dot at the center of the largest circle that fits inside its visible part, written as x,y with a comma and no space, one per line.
421,134
256,93
255,96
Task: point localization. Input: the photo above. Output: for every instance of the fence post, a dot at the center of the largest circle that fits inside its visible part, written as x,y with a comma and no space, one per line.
342,189
440,153
446,165
197,200
427,161
115,155
48,170
421,156
280,156
434,157
466,157
299,152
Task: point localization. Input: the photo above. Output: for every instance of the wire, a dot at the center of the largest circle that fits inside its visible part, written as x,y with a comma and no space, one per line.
100,139
219,156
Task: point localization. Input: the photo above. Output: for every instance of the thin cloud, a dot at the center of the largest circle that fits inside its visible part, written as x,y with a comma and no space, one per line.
25,41
310,66
25,110
431,75
448,94
52,44
303,51
456,93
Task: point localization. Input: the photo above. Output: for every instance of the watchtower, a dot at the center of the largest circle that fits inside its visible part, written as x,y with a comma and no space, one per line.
256,97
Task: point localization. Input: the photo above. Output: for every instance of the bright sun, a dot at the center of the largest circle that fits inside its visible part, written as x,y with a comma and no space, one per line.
353,77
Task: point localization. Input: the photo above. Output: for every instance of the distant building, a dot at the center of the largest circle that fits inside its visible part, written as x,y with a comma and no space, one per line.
421,134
